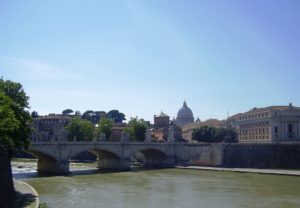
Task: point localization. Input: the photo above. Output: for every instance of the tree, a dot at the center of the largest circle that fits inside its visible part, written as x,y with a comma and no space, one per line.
137,129
204,134
97,116
116,116
80,130
88,115
214,135
34,114
67,111
231,135
20,105
105,126
77,113
14,133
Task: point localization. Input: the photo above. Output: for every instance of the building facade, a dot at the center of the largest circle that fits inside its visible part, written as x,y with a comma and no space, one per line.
161,126
269,124
50,128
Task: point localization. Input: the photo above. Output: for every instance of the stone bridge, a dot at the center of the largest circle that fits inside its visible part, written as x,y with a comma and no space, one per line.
53,157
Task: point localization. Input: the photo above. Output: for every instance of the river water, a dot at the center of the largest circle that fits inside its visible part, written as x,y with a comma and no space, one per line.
166,188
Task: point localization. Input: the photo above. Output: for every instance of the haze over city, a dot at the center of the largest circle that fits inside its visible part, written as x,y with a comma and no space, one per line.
143,57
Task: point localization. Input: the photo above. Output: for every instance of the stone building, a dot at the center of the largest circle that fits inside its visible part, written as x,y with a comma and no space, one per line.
269,124
184,116
161,126
50,128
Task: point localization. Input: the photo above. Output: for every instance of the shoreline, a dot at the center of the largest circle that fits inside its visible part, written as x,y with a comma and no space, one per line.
245,170
26,194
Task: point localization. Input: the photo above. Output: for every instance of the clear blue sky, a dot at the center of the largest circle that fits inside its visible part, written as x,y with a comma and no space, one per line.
141,57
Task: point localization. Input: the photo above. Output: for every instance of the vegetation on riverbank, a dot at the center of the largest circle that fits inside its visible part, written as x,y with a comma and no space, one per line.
14,133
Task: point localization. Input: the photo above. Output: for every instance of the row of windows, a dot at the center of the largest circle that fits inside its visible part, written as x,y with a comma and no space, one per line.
253,137
255,124
253,116
254,131
52,121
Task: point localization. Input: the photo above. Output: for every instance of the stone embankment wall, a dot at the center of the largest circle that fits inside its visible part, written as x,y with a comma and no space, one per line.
278,156
199,154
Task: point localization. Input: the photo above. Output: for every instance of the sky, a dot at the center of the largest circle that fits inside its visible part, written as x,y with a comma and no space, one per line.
143,57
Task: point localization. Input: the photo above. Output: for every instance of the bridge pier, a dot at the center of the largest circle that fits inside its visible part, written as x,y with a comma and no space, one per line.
53,166
114,163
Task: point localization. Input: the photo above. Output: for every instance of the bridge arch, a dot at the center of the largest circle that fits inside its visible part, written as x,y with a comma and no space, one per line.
152,157
41,155
107,158
49,163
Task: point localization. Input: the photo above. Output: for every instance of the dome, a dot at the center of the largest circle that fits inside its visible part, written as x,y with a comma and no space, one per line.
184,111
184,115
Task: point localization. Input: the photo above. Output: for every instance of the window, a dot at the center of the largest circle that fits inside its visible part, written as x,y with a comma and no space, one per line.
276,130
290,127
290,130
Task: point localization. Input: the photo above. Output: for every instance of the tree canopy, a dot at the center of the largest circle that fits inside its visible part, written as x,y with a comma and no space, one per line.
34,114
137,129
116,116
214,135
80,130
15,115
14,132
67,111
105,127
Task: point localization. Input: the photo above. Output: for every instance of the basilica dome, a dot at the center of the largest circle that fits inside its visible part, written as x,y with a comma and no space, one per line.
184,115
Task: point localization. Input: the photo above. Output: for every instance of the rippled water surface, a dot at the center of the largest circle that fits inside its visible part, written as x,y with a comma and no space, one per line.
169,188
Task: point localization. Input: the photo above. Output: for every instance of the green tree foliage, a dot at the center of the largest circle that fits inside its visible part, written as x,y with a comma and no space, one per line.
231,135
137,129
14,132
14,103
34,114
88,115
105,126
116,116
67,111
214,135
8,123
80,130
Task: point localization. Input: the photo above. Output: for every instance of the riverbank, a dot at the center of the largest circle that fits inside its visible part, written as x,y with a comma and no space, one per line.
27,196
246,170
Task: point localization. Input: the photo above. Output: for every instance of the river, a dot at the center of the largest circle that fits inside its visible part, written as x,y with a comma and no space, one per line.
164,188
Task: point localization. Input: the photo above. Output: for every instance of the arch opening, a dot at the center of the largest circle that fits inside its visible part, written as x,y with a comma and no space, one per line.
48,164
151,158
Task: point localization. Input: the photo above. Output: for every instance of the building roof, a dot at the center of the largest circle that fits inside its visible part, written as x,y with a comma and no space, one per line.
289,107
162,115
273,108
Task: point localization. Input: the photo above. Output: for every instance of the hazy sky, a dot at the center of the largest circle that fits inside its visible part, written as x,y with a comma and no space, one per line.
141,57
